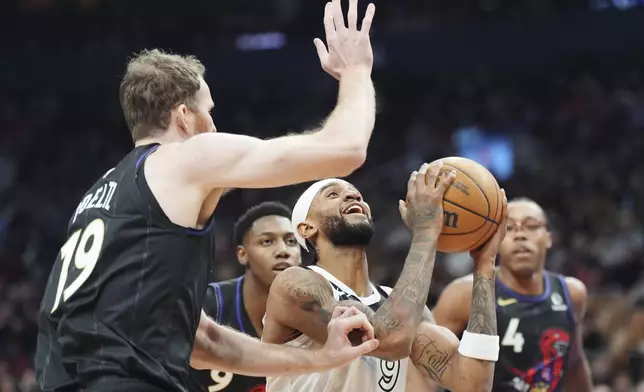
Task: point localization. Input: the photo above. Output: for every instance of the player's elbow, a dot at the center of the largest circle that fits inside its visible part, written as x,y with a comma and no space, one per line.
211,350
476,375
351,160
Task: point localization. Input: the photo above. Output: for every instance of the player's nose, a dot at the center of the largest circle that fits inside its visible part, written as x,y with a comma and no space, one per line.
351,195
281,251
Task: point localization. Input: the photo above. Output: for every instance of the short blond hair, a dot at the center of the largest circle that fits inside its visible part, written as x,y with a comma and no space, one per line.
155,83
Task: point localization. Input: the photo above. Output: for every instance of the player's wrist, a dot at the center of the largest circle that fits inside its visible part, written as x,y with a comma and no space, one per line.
485,266
425,233
320,359
479,346
356,72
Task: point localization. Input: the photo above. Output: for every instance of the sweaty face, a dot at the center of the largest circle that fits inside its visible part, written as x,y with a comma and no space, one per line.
523,250
342,216
269,248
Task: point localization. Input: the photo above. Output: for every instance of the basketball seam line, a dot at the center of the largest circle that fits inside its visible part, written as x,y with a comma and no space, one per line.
471,212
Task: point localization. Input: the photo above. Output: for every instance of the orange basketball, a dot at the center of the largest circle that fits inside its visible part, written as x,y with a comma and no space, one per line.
472,206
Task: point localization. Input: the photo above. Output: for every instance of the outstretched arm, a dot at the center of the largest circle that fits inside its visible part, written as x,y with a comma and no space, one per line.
218,347
339,147
578,377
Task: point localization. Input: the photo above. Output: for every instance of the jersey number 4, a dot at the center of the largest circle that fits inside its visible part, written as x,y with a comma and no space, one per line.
512,337
84,254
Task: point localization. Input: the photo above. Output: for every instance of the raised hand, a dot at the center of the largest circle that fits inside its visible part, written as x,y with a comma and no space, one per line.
347,48
339,350
423,208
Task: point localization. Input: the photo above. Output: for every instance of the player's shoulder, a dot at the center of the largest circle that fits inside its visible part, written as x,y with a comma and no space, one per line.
462,286
299,282
226,289
298,275
575,287
219,295
578,292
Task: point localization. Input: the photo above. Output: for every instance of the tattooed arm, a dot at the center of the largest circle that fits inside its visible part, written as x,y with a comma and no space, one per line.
301,301
436,353
435,350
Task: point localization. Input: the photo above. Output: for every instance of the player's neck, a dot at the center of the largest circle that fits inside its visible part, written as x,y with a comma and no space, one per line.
524,285
347,264
255,297
162,137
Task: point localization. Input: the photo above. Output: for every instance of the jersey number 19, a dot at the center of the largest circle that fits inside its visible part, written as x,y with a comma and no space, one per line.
84,254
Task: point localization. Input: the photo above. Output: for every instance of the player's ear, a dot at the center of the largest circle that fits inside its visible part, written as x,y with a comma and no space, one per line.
181,119
306,230
242,255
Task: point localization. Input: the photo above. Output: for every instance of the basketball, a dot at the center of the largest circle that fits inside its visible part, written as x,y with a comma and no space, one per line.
472,206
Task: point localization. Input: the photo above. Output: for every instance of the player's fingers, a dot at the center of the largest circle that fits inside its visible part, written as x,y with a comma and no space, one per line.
338,311
329,29
368,19
365,348
446,180
357,321
424,178
402,208
323,54
504,217
352,15
411,185
338,18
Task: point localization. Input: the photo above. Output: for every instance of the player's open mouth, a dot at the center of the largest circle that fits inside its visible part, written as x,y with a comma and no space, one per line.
279,267
353,208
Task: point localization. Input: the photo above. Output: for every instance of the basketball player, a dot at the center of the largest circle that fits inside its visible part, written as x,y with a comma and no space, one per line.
539,313
266,245
332,219
122,306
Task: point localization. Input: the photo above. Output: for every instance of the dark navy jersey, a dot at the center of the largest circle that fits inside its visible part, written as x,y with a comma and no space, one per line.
124,296
537,333
225,304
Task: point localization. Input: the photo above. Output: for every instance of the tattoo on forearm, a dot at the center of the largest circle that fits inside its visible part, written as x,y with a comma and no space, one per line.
429,358
483,313
404,307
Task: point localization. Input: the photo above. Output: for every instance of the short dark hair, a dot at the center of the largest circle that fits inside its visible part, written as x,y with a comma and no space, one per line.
254,213
523,199
155,83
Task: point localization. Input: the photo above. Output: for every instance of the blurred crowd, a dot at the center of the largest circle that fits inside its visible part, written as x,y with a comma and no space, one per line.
577,131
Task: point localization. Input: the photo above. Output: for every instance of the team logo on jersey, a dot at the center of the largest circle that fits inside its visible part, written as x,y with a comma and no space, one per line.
558,304
546,375
506,301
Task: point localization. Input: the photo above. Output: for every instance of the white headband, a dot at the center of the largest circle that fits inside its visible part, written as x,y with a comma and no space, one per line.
303,205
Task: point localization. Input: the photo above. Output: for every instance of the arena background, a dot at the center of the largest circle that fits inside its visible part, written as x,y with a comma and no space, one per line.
547,93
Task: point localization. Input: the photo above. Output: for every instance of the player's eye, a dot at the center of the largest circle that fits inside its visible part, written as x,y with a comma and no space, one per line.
291,241
332,194
266,242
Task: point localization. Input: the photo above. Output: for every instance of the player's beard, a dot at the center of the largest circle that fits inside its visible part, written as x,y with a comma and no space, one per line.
342,233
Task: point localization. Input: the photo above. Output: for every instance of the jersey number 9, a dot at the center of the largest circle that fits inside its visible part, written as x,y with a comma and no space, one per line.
84,257
221,380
